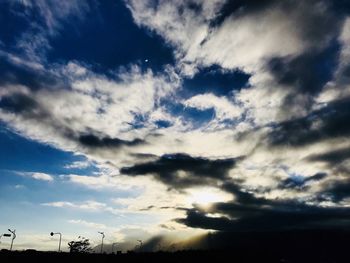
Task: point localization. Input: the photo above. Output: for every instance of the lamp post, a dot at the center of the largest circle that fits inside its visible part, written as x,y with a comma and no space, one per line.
59,244
113,246
103,236
13,237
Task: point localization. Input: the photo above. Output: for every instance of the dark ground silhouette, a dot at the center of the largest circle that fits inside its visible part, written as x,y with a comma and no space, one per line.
326,246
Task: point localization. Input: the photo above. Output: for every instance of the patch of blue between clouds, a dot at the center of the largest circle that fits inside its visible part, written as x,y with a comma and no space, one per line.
16,22
196,117
110,40
18,153
214,80
163,124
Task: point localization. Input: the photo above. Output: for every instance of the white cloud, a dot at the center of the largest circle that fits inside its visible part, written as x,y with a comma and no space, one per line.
42,176
91,105
249,40
78,165
87,224
92,206
19,61
59,204
224,108
243,40
106,181
37,176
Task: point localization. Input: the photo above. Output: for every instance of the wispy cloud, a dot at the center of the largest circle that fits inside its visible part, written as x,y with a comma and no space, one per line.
88,205
78,165
34,42
37,176
87,224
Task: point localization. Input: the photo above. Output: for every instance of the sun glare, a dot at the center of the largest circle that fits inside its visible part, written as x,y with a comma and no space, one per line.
207,196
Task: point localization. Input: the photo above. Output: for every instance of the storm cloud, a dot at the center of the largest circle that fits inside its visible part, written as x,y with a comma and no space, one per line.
325,123
196,170
252,213
93,141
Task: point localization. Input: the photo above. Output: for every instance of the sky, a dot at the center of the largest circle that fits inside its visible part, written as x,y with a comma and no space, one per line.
172,118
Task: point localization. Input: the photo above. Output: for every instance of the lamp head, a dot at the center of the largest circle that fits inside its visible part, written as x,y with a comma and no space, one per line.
51,234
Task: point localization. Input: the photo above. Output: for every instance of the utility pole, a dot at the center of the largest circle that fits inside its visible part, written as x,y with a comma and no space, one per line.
13,237
59,244
103,236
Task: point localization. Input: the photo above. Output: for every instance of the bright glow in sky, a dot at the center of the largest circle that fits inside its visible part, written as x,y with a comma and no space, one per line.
207,196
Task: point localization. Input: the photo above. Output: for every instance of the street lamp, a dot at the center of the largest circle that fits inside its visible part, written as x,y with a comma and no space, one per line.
113,246
13,236
59,244
103,236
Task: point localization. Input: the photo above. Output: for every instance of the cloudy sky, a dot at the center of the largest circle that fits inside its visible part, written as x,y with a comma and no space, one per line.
173,118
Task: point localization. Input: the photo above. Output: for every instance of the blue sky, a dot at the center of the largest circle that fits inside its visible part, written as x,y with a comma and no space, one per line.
172,118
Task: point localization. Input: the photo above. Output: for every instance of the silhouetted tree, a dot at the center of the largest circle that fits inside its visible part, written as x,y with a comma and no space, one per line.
80,246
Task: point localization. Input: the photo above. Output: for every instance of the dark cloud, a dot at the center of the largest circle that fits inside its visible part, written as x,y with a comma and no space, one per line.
19,103
12,73
197,219
268,219
240,196
304,76
144,155
334,157
317,20
94,141
29,108
151,207
199,171
250,213
331,121
307,73
241,7
335,191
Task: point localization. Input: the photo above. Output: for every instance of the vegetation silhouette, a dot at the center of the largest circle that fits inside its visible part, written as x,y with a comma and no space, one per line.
80,246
